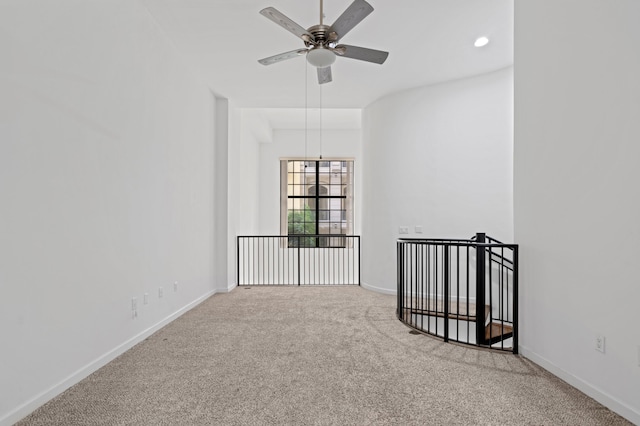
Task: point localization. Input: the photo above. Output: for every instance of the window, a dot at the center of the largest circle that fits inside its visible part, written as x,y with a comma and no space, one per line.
317,200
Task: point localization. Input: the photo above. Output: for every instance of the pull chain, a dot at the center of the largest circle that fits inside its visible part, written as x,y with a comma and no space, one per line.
306,110
321,122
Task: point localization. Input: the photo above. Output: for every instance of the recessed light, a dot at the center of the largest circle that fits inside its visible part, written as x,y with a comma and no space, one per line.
481,41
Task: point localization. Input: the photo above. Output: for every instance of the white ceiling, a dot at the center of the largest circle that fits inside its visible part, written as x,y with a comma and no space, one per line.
429,41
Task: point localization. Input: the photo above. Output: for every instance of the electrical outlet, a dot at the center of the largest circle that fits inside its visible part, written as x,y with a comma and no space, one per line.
160,292
134,308
600,343
418,229
145,299
403,230
175,286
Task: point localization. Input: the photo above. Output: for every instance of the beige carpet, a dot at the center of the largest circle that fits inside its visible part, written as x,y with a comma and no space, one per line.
313,356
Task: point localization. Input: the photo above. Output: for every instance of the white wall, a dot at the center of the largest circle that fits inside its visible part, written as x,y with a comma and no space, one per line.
222,257
336,143
247,168
439,157
243,175
106,190
577,204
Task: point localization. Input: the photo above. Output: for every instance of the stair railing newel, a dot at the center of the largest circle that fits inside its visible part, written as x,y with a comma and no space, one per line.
480,288
445,301
516,298
436,294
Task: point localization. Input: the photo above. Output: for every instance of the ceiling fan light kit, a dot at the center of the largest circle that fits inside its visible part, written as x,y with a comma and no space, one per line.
321,57
321,41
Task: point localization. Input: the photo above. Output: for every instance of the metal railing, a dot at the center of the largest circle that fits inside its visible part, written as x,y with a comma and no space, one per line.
328,259
461,290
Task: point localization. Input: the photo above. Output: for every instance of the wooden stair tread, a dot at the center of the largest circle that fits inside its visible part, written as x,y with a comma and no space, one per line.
457,309
497,331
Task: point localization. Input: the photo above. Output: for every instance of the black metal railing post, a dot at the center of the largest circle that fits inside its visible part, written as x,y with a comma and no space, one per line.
445,302
515,300
298,260
238,261
399,269
480,288
358,240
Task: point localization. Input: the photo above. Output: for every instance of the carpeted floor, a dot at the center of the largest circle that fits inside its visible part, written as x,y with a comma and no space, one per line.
313,356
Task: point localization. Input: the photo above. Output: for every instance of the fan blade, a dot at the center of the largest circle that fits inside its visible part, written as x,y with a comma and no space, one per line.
351,17
286,23
282,56
361,53
324,75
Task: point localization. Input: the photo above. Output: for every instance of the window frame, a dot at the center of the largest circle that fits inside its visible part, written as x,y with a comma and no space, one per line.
324,213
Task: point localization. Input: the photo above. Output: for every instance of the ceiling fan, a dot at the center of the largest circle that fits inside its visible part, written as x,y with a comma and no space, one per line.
321,41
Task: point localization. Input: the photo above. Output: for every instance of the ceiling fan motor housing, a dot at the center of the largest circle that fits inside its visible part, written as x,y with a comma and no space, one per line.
322,35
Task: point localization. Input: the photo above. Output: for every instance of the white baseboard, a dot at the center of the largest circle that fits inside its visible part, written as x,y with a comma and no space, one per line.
230,288
378,289
30,406
594,392
394,292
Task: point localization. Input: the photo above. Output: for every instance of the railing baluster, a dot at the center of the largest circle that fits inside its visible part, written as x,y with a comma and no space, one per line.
398,282
445,268
359,263
238,260
436,283
480,288
280,260
416,284
298,260
457,292
515,300
343,252
509,318
501,288
490,296
271,260
335,266
468,299
423,297
411,294
351,261
429,281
